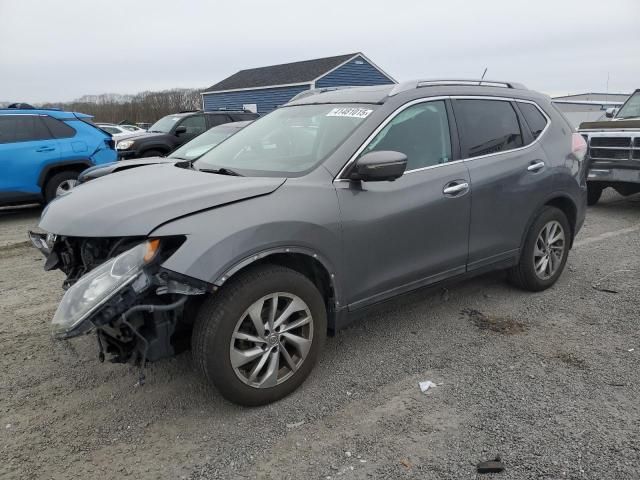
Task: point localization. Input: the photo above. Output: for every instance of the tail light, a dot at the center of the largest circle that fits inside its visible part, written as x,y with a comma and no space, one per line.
578,146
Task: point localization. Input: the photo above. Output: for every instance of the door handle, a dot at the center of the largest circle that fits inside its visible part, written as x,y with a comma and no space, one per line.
455,188
45,149
535,167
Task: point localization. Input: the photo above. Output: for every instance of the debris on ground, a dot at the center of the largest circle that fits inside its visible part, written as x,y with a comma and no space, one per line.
295,425
406,463
444,294
598,283
571,359
491,466
505,325
426,385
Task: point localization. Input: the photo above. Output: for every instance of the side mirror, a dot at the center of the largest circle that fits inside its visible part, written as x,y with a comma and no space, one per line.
610,112
384,165
180,130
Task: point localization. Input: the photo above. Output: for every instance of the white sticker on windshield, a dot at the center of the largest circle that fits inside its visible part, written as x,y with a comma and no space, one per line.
349,112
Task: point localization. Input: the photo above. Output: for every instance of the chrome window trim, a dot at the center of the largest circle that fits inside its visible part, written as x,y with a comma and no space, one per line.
352,159
508,99
380,127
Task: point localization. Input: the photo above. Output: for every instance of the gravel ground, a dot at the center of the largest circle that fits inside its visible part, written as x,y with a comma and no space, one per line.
549,381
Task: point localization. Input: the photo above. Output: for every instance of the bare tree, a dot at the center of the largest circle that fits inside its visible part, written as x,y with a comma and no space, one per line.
141,107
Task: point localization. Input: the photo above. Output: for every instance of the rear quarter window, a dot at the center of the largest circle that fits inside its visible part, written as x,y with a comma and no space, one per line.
487,126
534,118
58,129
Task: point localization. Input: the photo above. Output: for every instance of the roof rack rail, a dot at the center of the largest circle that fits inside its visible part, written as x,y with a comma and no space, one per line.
413,84
189,111
316,91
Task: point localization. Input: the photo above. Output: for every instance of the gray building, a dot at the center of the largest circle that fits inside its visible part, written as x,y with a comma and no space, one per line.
588,107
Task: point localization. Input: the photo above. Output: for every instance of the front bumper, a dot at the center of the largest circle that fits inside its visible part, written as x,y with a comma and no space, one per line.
613,175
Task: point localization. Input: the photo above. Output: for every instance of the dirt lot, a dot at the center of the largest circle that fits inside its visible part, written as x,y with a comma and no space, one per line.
549,381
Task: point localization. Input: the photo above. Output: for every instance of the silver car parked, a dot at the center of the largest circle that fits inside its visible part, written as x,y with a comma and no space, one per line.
251,253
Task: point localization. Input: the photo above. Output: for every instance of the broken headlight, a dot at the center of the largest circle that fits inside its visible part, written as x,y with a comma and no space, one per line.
92,290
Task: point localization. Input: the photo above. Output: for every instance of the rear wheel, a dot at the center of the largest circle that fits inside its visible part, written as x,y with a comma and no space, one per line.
593,193
258,339
59,184
152,153
545,251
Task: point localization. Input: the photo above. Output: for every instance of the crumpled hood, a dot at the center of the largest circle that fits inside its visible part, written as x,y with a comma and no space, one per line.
136,201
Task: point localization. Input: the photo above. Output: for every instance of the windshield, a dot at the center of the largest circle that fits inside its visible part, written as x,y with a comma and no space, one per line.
631,107
203,143
165,124
288,141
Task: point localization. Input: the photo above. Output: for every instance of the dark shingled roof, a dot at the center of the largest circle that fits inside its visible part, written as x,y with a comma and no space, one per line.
296,72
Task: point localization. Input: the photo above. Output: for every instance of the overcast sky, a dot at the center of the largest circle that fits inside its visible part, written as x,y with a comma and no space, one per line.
60,50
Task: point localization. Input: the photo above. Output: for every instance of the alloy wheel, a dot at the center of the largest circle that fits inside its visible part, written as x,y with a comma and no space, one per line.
65,186
271,340
549,250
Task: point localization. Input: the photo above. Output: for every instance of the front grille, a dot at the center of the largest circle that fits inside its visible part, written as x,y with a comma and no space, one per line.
614,148
624,142
611,153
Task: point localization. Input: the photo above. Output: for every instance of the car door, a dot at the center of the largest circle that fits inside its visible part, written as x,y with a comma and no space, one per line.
510,177
195,125
413,231
26,146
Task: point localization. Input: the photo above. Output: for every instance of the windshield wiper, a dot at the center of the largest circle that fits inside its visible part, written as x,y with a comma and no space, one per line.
221,171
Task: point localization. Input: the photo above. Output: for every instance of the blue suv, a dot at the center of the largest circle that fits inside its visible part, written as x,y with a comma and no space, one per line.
42,152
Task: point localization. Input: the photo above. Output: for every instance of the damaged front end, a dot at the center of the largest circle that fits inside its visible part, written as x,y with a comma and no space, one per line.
117,287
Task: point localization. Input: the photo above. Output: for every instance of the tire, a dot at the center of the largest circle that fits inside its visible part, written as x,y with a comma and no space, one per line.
593,194
152,153
227,313
524,275
62,181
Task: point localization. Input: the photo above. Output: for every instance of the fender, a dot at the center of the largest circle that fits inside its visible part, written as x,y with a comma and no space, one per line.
246,261
547,199
85,162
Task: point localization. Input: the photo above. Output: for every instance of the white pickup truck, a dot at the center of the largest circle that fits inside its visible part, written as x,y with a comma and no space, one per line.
614,150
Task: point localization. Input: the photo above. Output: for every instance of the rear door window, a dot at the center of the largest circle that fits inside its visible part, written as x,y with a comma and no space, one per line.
534,118
217,119
7,129
22,128
421,132
195,125
57,128
487,126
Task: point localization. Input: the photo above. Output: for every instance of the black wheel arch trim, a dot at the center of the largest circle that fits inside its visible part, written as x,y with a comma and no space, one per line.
84,162
261,255
558,195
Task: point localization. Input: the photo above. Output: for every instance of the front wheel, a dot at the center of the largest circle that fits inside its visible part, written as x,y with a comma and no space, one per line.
258,338
151,153
545,251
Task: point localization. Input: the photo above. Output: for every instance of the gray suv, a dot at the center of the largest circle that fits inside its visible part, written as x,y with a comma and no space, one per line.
337,201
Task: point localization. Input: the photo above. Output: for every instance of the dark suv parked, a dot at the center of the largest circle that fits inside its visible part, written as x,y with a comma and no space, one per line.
330,204
171,131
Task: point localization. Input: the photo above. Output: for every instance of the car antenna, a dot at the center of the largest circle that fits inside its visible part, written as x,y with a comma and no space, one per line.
482,77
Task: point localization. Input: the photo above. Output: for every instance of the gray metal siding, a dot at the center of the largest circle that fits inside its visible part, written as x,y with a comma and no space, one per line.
266,99
358,72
